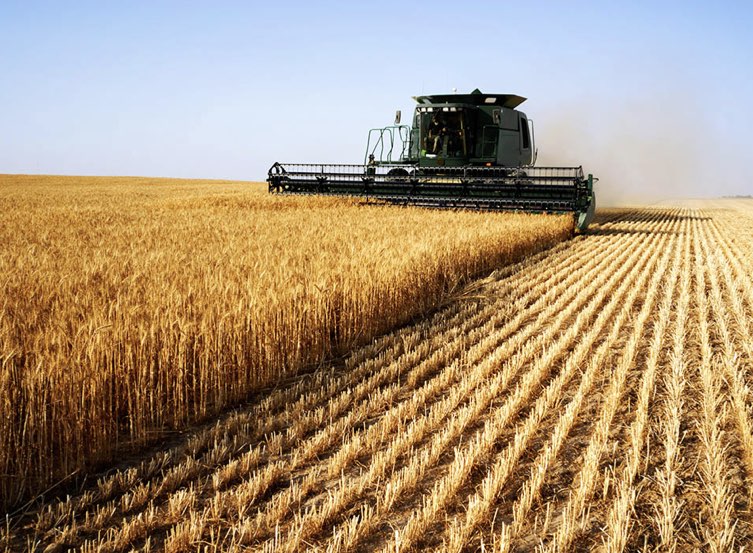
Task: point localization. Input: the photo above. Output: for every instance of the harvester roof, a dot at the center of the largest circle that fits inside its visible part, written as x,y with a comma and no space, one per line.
476,98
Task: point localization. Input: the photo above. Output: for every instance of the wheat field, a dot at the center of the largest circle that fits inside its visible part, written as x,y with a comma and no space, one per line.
131,308
593,396
596,396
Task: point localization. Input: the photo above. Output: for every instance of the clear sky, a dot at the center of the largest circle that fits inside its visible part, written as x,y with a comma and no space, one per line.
653,97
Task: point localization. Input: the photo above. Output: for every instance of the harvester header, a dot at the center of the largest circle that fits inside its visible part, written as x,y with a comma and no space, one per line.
463,151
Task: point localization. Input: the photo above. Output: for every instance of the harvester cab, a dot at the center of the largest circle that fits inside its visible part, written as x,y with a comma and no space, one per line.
472,129
470,151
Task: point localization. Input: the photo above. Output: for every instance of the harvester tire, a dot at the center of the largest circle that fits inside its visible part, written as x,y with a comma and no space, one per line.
398,172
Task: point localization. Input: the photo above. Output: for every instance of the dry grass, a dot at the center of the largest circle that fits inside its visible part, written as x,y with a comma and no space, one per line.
133,306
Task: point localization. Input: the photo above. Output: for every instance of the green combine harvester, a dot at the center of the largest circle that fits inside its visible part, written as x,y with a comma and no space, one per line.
464,151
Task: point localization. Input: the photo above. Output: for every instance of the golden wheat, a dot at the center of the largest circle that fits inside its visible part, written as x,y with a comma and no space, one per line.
593,397
134,306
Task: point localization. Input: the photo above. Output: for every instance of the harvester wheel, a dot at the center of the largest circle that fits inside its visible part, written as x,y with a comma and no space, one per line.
399,174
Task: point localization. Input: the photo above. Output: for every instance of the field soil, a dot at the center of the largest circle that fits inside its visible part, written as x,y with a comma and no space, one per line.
595,396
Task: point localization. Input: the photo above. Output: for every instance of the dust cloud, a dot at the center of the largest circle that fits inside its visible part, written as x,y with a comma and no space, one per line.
644,150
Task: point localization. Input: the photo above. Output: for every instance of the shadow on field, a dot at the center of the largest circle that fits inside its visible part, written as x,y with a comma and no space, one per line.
625,231
614,221
640,215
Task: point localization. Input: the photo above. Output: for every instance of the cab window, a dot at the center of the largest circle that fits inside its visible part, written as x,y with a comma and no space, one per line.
444,133
525,133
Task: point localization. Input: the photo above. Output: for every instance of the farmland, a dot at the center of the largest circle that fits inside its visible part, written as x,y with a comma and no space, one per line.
130,308
596,395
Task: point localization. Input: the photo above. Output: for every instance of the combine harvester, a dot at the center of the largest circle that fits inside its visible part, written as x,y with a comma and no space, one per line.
464,151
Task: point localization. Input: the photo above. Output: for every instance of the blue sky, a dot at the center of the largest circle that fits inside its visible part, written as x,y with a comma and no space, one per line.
653,97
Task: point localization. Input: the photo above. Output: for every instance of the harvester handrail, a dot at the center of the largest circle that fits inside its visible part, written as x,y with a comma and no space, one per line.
403,133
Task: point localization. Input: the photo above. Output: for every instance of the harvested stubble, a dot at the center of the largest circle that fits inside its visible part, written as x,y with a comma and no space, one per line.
131,306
